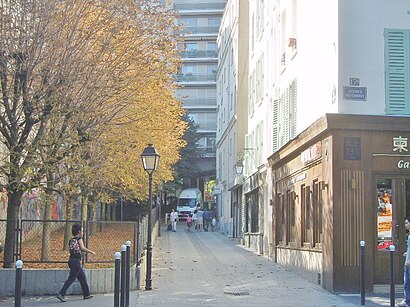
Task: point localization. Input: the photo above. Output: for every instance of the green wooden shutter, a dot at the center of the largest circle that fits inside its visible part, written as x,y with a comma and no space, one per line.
293,107
397,65
286,126
275,126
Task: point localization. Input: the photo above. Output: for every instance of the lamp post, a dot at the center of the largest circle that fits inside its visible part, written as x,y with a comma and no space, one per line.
150,159
239,168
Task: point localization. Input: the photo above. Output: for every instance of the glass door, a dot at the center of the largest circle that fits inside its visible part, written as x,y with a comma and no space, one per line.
392,205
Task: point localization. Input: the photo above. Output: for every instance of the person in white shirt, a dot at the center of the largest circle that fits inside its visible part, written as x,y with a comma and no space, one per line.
173,217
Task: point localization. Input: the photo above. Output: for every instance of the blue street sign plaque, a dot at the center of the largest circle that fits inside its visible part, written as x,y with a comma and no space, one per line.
355,93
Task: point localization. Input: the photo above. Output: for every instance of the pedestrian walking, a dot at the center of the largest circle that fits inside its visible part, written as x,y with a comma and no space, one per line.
76,248
213,223
194,218
173,218
199,220
189,222
207,219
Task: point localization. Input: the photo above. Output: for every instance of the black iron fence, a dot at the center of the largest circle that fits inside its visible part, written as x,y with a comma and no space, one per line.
46,241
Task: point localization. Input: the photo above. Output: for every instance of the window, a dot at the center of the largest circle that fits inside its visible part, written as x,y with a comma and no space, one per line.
189,69
317,214
212,69
253,32
397,67
254,212
260,19
191,46
287,217
212,46
306,237
282,229
287,109
292,216
188,22
192,116
275,125
214,22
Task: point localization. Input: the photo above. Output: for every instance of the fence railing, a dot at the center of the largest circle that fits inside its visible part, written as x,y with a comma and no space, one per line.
46,241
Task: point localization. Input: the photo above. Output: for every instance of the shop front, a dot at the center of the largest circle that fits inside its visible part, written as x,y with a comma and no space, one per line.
343,180
391,165
253,220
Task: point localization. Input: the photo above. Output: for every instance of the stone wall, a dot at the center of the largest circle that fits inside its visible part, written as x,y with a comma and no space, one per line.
50,281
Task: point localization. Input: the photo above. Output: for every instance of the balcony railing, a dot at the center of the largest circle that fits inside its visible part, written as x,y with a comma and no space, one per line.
184,5
196,77
199,54
206,125
207,152
200,30
198,102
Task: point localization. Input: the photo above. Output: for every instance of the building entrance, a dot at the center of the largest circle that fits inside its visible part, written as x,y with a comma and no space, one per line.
392,203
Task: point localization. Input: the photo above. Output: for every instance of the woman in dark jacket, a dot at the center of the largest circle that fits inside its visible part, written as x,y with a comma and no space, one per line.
76,247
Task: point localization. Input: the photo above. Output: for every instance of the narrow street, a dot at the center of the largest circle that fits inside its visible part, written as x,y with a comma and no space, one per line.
208,269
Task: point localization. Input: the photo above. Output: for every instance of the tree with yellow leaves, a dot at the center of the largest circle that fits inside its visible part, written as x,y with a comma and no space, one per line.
84,86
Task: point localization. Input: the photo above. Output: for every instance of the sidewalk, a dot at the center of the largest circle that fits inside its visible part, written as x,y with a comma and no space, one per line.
209,269
99,300
107,300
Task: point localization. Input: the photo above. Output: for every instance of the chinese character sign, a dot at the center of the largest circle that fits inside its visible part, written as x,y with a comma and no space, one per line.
400,144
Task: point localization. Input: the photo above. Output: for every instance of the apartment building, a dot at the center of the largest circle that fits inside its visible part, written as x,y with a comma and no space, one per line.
325,146
200,20
232,100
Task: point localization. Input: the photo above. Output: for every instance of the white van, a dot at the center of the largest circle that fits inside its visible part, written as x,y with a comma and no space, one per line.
188,201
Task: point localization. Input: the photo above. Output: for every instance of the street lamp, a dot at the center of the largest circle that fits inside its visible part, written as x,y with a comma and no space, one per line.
150,159
239,168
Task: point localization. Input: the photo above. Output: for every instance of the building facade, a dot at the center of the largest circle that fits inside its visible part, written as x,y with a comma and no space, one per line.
343,180
320,87
325,191
200,21
232,95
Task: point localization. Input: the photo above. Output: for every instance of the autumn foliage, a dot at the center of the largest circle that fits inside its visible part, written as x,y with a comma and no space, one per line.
85,86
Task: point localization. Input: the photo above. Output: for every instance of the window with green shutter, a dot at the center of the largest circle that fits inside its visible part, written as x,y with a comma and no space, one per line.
397,67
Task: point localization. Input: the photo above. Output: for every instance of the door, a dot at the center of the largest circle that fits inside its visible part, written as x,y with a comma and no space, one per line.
392,200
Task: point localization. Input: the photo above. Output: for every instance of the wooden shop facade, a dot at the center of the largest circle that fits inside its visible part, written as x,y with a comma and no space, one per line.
343,180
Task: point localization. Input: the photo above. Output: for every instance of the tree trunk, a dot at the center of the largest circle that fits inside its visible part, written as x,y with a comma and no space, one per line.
103,217
94,206
108,210
45,244
84,207
68,216
113,212
13,206
103,212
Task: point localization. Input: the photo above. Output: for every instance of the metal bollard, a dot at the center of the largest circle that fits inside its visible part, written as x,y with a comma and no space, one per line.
19,275
362,273
392,290
123,256
128,274
117,257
